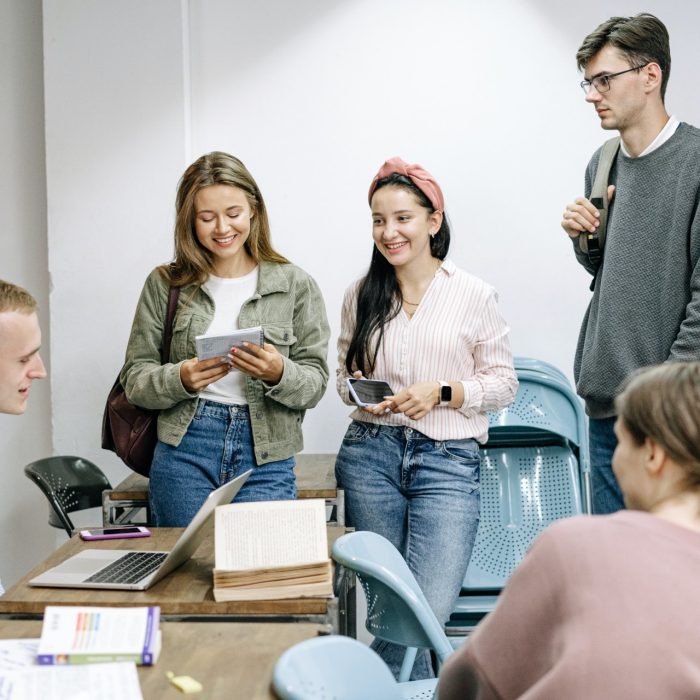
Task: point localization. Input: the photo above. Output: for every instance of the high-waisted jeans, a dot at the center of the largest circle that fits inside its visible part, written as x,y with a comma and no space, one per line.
217,447
423,496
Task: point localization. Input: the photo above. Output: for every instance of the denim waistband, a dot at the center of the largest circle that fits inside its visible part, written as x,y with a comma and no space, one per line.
214,409
402,432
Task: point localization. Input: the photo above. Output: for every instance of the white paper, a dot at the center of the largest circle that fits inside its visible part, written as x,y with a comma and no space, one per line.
270,533
17,653
220,345
116,681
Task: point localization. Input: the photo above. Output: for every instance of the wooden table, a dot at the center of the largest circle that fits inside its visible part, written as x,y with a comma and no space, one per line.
315,475
186,593
231,660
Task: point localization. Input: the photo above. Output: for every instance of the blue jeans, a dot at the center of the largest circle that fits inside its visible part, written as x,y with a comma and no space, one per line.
607,496
423,496
217,447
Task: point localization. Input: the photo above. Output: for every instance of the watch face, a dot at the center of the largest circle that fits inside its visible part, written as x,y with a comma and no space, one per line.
445,394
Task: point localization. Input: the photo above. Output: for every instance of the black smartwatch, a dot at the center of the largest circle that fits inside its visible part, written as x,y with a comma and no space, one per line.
445,392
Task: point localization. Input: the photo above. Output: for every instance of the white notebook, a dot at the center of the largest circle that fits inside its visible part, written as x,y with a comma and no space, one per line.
220,345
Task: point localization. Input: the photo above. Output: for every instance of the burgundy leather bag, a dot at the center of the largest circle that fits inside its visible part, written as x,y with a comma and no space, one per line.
131,431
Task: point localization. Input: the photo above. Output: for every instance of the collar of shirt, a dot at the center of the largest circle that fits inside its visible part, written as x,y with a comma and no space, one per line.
448,266
661,138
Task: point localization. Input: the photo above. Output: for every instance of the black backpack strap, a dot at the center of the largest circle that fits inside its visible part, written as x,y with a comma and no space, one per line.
173,296
593,243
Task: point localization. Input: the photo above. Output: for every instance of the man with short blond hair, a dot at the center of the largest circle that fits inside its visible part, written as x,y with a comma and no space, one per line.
20,339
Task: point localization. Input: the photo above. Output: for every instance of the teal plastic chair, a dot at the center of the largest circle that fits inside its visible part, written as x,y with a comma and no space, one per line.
546,368
535,470
340,668
397,610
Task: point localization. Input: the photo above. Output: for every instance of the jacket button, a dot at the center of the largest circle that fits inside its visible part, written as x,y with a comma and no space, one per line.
259,415
286,335
264,455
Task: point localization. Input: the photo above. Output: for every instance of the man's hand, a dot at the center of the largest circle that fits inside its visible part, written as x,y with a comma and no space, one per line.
581,216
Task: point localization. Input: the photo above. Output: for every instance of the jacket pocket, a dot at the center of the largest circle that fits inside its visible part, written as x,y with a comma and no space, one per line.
185,328
281,336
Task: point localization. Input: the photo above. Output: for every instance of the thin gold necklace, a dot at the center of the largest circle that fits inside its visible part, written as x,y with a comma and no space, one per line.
417,303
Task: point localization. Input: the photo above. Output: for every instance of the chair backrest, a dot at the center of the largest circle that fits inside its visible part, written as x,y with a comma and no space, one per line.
397,610
535,470
333,668
69,483
544,404
523,490
541,366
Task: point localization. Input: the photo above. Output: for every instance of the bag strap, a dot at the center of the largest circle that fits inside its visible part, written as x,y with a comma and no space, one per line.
593,243
173,296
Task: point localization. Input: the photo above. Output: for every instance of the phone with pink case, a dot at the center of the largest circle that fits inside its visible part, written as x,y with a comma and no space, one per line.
114,533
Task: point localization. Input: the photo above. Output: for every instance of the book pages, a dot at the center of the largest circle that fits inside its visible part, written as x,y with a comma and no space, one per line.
268,534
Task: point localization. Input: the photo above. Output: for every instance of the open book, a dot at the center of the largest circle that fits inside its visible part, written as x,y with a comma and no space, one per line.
269,550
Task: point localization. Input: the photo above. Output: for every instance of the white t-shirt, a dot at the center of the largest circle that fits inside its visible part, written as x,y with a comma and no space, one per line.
229,295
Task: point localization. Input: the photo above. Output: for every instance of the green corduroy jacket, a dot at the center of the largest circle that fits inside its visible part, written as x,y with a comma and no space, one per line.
287,304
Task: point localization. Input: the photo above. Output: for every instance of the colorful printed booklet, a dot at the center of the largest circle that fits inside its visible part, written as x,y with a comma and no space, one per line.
82,635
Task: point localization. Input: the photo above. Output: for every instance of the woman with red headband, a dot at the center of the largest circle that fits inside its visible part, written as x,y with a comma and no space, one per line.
410,464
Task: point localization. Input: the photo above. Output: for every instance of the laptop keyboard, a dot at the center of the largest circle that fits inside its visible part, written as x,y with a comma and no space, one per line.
130,568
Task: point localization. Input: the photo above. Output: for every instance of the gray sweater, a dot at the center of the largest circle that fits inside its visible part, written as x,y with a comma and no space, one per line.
646,301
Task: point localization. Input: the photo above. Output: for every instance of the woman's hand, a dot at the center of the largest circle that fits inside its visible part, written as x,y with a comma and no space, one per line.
414,402
196,374
259,362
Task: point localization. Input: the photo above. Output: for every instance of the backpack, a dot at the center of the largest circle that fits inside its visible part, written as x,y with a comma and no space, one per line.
592,244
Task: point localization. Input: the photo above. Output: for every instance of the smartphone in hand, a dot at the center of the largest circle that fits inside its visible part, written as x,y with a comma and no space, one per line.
113,533
368,392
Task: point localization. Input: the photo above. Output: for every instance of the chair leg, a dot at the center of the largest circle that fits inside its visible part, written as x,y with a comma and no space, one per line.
407,664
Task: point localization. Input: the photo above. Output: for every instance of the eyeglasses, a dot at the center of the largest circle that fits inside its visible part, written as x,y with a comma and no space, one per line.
602,82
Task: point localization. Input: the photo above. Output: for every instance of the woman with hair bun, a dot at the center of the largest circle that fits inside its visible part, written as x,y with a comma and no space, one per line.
607,606
410,464
214,422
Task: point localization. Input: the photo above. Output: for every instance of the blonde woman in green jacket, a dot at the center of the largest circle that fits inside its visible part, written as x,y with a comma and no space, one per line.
222,416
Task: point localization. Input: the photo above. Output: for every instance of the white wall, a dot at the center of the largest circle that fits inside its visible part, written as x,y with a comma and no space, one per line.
24,535
115,116
313,96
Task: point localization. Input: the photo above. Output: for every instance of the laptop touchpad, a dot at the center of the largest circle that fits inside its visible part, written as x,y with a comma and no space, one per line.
81,565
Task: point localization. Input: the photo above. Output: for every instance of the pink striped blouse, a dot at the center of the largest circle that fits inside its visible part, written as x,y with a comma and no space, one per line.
456,334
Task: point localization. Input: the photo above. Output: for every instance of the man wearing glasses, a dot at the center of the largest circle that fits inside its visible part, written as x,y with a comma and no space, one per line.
645,307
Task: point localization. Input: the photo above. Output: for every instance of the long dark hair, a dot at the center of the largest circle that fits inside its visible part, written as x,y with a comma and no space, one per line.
379,296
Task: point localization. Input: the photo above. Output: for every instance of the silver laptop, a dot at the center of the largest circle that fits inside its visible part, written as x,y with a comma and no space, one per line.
136,570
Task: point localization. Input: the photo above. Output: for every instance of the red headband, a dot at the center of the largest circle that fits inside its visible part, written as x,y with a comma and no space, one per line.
420,177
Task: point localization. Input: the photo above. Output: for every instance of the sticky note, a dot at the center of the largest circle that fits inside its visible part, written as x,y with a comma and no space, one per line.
185,684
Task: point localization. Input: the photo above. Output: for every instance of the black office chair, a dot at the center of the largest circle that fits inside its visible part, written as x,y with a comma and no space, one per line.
70,484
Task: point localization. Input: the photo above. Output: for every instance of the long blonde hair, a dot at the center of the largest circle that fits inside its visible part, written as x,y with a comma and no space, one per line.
193,263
